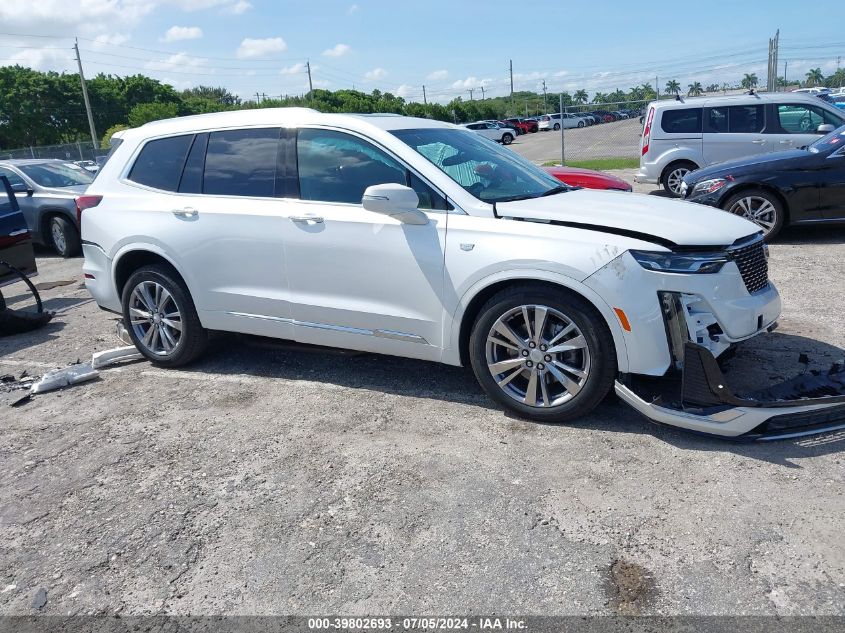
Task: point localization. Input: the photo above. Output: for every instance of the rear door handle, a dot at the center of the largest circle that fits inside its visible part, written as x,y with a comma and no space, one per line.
307,218
759,141
786,142
187,212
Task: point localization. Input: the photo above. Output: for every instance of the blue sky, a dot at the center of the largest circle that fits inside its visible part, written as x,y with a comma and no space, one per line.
261,46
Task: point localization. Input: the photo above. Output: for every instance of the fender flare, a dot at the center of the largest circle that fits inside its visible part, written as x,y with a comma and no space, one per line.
129,246
452,335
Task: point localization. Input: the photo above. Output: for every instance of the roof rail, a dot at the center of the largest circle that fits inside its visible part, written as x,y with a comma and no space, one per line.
678,97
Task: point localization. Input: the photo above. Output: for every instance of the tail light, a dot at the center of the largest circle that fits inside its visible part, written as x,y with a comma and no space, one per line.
85,202
647,130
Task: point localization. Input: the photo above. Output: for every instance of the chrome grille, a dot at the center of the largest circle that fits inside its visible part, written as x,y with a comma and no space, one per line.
750,258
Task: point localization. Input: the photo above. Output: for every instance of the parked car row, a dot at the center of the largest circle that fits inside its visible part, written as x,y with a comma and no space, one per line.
567,120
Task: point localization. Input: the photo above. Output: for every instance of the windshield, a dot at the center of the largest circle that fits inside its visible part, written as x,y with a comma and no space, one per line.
58,174
834,140
483,168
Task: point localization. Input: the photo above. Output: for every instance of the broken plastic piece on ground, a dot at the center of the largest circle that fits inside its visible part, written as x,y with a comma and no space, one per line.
58,378
123,333
114,356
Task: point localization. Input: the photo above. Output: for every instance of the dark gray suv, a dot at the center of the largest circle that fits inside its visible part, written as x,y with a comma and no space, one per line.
46,190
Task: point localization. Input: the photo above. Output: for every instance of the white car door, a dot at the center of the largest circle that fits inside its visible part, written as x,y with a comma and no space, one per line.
222,224
734,132
358,279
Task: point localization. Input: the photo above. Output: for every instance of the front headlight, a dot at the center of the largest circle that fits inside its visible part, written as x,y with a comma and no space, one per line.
709,186
691,263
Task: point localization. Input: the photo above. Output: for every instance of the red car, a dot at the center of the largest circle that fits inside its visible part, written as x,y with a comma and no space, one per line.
587,178
524,125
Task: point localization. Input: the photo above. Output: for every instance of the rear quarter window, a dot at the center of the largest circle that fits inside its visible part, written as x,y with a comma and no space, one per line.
681,121
159,165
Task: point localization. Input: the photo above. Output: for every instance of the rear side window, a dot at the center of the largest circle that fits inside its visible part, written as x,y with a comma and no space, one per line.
159,165
736,119
242,163
681,121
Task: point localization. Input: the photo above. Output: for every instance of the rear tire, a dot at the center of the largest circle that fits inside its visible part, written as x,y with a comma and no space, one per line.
64,237
557,127
673,176
160,316
580,124
507,139
535,378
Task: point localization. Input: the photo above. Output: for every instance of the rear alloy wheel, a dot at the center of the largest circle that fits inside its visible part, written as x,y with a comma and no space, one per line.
161,318
557,127
580,124
507,139
543,354
673,177
759,206
64,236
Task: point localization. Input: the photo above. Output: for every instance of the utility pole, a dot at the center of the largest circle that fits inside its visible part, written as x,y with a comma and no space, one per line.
511,70
657,87
562,137
545,109
482,93
470,93
85,98
424,100
257,98
785,82
838,66
310,84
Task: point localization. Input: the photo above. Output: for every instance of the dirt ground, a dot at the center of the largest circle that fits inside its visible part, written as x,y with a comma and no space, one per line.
282,479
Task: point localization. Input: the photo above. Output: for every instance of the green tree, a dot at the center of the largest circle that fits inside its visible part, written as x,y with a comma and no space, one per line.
673,87
749,81
146,112
106,142
814,77
695,89
581,97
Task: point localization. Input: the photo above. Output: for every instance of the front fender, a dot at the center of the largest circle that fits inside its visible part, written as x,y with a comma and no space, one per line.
452,355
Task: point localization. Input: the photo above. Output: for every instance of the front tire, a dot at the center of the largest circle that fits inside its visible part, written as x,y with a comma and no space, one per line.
673,177
161,318
761,207
557,127
580,124
507,139
542,353
64,236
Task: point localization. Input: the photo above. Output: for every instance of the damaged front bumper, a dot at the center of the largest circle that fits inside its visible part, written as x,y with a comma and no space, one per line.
702,401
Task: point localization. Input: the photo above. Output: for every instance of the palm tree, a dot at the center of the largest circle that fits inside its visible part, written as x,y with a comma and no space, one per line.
673,87
815,77
749,81
695,89
581,97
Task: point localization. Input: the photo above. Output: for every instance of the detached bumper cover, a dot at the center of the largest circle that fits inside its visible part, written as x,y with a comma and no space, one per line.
703,402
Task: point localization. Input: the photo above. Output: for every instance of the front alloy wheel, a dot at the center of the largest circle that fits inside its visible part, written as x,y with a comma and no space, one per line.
537,356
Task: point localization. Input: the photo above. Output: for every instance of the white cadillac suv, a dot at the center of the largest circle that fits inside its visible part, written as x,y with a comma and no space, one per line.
421,239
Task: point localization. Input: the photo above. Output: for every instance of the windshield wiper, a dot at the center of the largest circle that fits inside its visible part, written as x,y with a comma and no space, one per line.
554,190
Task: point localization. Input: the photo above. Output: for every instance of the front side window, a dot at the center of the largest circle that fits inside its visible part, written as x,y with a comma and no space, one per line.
242,163
159,165
487,171
681,121
58,174
338,167
802,118
13,178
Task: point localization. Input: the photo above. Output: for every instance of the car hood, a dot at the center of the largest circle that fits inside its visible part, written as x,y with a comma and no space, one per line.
763,162
63,192
650,218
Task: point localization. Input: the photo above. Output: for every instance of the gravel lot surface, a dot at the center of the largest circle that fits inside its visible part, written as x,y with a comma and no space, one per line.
282,479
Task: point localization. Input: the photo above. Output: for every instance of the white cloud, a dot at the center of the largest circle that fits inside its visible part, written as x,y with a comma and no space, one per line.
375,74
437,74
250,47
240,7
177,33
106,39
178,61
295,69
338,50
405,90
54,17
471,82
352,9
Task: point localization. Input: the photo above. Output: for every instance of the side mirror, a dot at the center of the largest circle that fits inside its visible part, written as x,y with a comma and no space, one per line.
397,201
20,187
825,128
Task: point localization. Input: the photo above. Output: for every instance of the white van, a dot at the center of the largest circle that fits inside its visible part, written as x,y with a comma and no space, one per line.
683,135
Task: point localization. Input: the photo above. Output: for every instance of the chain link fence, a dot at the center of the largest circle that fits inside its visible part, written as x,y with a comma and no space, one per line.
607,134
80,150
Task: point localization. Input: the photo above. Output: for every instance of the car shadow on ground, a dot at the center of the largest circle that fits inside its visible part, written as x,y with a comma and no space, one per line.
812,234
13,343
759,363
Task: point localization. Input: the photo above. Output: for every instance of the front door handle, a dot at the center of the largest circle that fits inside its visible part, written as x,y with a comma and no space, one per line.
307,218
786,142
759,141
187,212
